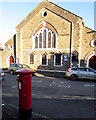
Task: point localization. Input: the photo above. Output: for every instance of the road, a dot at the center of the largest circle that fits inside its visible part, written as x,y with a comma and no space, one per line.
52,98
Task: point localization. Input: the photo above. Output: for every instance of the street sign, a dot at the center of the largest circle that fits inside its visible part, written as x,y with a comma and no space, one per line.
65,58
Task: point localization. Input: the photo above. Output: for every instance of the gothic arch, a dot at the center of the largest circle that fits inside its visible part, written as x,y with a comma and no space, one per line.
10,59
31,57
44,25
91,60
44,36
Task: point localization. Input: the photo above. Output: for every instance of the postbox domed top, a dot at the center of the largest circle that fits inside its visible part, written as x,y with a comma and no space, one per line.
24,72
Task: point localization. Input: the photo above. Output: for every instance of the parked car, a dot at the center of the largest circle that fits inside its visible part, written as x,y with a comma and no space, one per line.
75,73
2,76
13,67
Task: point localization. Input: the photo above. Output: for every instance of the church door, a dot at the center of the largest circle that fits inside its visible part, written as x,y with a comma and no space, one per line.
11,59
92,62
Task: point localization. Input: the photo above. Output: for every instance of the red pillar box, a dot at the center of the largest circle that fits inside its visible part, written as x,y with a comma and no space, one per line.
24,86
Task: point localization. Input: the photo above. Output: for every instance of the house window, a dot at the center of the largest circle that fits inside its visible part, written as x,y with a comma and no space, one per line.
31,58
57,59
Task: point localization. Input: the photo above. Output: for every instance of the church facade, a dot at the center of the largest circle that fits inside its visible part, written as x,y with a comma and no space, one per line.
51,38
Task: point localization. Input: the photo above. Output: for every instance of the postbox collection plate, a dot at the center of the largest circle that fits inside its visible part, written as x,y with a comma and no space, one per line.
20,85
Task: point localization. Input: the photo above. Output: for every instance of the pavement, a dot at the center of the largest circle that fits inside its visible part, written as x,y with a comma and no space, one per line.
11,112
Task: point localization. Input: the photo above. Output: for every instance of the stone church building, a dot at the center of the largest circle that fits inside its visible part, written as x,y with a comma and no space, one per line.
51,38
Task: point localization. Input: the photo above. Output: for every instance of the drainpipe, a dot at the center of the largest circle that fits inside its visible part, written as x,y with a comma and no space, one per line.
70,64
15,48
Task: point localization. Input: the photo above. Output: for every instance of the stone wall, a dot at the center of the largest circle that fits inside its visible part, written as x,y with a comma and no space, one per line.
8,50
62,20
69,28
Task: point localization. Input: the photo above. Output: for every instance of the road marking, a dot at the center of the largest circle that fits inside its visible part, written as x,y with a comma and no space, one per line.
10,104
65,86
88,85
33,94
57,84
49,77
37,81
63,82
61,97
42,116
10,95
51,84
32,112
14,87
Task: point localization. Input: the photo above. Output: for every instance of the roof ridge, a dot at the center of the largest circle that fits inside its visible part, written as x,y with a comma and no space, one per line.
42,4
65,9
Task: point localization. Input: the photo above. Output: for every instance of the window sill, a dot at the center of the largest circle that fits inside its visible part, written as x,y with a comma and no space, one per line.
44,65
58,65
44,48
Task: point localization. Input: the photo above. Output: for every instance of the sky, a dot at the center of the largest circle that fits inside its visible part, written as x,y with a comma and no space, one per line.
12,13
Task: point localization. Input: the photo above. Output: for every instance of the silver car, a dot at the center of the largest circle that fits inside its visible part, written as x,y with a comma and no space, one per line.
81,73
2,76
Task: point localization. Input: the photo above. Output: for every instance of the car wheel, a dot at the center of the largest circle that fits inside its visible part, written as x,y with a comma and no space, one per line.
11,72
74,77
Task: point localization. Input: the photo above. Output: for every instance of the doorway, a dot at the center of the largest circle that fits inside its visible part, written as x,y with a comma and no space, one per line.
11,60
92,62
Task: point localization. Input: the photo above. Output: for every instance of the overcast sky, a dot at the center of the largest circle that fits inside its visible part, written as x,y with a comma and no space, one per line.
12,13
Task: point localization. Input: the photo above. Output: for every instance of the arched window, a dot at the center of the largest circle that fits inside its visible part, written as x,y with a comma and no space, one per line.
40,40
44,39
36,42
31,58
49,40
54,41
45,36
